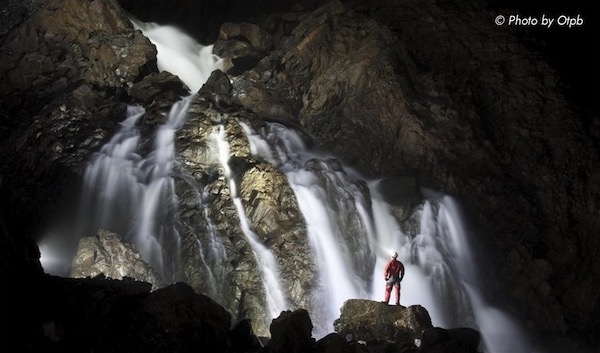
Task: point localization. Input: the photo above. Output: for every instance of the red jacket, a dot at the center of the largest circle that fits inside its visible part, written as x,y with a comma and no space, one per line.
394,269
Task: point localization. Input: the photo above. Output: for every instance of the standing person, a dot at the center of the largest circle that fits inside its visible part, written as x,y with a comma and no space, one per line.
394,272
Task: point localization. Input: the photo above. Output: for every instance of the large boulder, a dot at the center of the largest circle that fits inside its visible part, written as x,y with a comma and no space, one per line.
372,321
291,332
106,253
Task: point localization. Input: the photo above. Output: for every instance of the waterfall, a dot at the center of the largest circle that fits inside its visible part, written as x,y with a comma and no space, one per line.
500,331
350,228
440,269
336,218
268,266
441,273
135,196
180,54
130,194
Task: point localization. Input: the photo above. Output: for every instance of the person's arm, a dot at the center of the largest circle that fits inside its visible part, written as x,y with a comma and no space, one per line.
401,271
386,273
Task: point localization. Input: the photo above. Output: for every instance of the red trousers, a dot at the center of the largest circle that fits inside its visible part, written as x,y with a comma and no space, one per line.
388,290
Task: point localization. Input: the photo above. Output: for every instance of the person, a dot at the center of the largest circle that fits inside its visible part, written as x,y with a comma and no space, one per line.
394,272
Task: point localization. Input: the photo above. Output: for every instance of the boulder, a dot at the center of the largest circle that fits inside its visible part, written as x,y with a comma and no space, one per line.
241,45
106,253
291,332
372,321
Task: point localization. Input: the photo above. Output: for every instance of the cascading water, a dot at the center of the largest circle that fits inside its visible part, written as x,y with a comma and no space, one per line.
269,268
135,196
180,54
440,270
127,193
329,199
442,273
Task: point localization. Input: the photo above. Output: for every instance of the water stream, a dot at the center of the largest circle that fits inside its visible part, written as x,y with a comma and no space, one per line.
270,273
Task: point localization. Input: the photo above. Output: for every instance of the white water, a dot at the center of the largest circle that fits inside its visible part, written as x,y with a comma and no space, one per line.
342,259
134,195
441,274
268,266
180,54
131,194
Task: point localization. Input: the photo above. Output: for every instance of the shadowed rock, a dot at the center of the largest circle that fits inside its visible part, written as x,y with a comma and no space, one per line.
291,332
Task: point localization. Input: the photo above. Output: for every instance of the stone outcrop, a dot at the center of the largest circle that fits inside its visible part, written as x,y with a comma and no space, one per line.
373,322
106,253
291,332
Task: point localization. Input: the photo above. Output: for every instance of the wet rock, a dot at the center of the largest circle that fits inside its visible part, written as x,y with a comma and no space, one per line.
242,46
373,322
163,86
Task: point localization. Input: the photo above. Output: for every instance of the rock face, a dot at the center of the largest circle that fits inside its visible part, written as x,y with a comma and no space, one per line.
372,321
230,271
107,254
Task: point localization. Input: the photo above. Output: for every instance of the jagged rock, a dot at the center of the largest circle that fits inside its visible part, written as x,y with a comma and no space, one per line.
181,318
163,86
106,253
105,315
291,332
114,55
241,45
368,320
